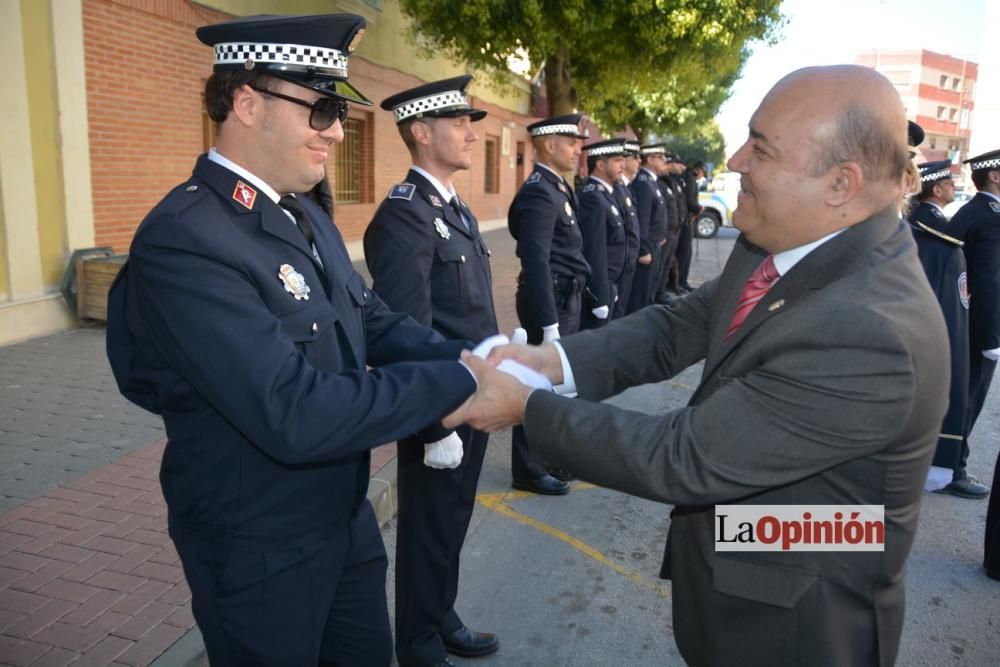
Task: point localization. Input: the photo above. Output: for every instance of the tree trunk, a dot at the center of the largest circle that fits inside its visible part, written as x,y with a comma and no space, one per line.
558,84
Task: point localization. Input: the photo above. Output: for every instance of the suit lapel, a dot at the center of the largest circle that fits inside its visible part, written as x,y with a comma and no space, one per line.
559,184
433,197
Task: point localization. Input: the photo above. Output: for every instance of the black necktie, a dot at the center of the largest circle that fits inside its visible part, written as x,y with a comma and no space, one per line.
455,206
290,204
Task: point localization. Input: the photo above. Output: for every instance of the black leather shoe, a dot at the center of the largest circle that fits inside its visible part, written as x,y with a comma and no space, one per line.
444,663
547,485
561,474
470,644
967,487
993,574
663,299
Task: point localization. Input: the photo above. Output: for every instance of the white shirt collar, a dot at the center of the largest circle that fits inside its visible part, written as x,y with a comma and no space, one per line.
221,160
936,206
648,171
541,164
602,182
990,194
625,180
445,193
784,261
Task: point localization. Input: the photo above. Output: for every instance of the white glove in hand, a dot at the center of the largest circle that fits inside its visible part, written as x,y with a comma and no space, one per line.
524,375
992,355
550,333
601,312
938,478
446,453
520,337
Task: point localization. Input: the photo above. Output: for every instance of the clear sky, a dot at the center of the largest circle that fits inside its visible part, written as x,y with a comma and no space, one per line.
824,33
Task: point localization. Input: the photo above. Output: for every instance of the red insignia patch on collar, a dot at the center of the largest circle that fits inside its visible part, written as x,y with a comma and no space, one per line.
244,194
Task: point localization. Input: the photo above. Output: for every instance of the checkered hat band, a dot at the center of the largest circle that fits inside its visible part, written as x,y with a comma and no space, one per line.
555,129
653,150
445,100
936,175
607,150
237,53
985,164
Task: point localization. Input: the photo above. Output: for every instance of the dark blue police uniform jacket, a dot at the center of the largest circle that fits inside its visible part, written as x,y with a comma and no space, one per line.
943,262
652,210
268,406
623,195
603,229
542,219
977,224
930,216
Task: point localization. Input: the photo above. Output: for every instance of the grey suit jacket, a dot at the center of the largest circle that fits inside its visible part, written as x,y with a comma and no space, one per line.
829,393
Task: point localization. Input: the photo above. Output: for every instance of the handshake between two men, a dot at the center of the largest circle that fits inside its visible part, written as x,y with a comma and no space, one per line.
501,396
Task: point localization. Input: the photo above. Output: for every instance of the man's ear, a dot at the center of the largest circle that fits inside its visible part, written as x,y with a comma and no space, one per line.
247,105
993,176
845,181
421,132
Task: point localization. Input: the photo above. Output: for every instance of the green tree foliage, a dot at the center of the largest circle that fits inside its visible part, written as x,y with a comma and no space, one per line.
704,143
655,66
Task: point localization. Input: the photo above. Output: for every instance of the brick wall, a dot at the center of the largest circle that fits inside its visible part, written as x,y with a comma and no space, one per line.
145,74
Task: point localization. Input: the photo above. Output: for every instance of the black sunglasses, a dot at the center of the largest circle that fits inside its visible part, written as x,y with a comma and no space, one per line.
323,113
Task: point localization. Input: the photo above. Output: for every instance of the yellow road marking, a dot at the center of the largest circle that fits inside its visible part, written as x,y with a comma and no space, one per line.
497,502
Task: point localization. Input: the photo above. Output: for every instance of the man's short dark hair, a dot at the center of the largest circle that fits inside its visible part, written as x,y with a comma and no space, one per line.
862,136
219,89
592,161
980,177
926,190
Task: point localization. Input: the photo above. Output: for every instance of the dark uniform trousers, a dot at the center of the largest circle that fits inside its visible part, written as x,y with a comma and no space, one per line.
270,416
428,259
542,218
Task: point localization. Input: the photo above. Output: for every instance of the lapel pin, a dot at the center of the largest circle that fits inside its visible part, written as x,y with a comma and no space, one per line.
294,282
244,194
776,305
434,200
442,229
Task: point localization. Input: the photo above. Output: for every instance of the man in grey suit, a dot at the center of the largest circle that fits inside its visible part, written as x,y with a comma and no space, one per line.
822,387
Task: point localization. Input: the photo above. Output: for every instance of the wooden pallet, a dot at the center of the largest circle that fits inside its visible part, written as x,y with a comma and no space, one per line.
94,276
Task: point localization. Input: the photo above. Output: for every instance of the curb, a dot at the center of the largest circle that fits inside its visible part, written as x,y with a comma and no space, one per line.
189,650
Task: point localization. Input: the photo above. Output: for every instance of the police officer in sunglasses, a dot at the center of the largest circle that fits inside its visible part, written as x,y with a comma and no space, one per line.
240,320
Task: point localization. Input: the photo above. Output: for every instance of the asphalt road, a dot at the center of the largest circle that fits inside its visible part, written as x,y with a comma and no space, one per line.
573,580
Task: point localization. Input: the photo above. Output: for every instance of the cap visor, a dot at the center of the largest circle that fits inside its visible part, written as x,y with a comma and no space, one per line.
328,87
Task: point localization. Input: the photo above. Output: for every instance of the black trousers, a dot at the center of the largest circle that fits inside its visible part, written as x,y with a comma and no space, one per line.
668,253
991,550
322,603
435,507
523,465
685,249
624,290
980,376
640,296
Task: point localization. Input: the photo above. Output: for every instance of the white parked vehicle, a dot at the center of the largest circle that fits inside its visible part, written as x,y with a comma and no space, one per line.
717,204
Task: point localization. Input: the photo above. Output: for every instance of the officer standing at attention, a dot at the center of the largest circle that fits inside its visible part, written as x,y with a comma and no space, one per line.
626,204
602,224
427,259
937,190
944,265
977,224
652,212
689,193
668,252
543,220
241,321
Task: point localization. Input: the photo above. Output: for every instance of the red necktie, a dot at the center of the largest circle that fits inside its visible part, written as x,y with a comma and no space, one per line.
754,290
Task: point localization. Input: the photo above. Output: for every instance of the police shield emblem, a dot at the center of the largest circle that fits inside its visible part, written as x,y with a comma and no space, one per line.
294,282
995,207
628,202
442,228
963,290
569,209
614,209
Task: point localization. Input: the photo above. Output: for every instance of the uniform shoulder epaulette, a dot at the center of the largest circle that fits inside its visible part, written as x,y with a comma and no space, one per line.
589,187
995,206
533,178
644,177
402,191
940,235
937,213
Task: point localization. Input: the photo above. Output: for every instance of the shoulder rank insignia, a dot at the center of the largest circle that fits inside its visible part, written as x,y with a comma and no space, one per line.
442,228
294,282
569,209
963,290
435,200
995,206
244,195
614,209
589,187
533,178
402,191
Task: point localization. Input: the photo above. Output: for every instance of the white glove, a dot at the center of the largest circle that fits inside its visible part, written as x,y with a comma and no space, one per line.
938,478
524,375
519,337
446,453
601,312
992,355
550,333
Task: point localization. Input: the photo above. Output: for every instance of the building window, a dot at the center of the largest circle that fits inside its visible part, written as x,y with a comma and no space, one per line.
952,113
492,185
352,167
932,143
944,81
954,83
940,113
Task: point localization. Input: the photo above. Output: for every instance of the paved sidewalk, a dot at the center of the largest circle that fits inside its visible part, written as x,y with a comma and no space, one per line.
88,575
